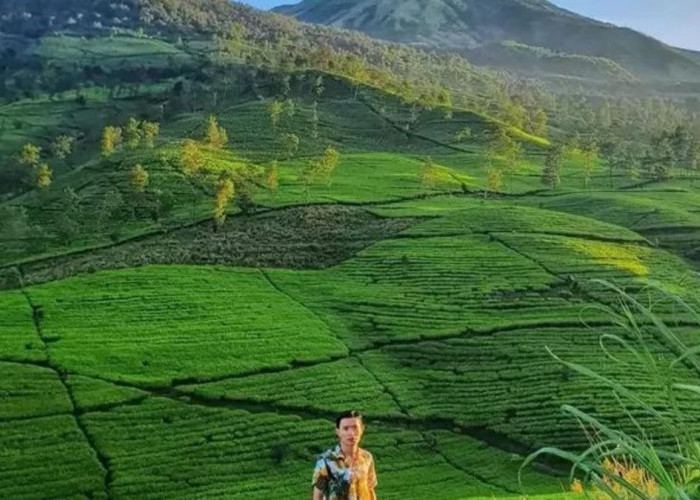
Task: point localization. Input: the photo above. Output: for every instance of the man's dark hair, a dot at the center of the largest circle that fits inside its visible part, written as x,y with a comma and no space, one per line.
349,414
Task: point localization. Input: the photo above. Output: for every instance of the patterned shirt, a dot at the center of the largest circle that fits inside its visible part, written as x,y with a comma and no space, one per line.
340,481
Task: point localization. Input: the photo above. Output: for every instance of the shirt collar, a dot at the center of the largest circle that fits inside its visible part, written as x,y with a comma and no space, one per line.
338,451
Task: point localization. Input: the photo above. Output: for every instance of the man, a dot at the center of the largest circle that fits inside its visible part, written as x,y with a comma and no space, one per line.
347,471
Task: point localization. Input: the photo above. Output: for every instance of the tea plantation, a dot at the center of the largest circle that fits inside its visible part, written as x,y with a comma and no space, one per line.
171,357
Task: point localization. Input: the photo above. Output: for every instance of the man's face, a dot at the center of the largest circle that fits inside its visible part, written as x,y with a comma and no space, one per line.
349,432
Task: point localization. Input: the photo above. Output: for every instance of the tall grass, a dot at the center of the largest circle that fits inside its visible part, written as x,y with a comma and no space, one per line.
629,464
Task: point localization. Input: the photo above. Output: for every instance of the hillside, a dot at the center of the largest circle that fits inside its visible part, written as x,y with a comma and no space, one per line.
466,24
220,227
539,62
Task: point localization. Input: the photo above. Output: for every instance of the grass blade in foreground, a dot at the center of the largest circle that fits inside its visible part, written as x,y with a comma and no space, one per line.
629,465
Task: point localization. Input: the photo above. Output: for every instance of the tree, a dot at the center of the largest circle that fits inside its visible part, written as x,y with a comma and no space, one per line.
165,202
589,163
582,158
552,167
660,161
605,116
514,114
149,133
632,168
232,46
681,141
329,163
618,157
44,176
191,157
139,179
307,176
538,123
111,138
507,151
289,108
62,146
275,111
14,223
463,134
273,176
68,222
318,86
107,209
290,143
694,157
494,180
215,136
132,133
321,169
30,155
224,193
429,174
512,153
314,120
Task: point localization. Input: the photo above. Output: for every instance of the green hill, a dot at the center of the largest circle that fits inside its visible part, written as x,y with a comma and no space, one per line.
541,62
466,24
184,315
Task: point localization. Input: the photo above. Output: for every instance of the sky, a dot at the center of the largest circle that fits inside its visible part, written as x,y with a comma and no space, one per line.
676,22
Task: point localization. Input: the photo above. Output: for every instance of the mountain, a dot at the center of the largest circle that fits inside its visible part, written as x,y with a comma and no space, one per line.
469,25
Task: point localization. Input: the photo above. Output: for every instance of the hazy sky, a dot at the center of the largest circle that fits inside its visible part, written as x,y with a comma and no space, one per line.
676,22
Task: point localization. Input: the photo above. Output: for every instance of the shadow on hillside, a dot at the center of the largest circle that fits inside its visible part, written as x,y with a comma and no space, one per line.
310,237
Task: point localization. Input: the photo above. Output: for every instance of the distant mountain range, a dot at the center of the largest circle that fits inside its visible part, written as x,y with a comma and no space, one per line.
548,39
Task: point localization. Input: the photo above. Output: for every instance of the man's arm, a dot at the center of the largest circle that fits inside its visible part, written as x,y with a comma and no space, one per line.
372,480
320,480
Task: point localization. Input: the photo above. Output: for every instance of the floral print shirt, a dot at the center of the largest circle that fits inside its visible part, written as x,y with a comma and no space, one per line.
340,480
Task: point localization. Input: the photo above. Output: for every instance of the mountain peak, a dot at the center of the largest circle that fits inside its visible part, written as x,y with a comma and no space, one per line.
463,25
448,24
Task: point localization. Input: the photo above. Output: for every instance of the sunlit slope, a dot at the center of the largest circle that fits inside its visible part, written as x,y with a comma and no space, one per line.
667,214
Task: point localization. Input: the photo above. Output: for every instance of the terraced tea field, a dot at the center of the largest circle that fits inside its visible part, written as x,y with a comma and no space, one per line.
166,356
150,337
199,381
